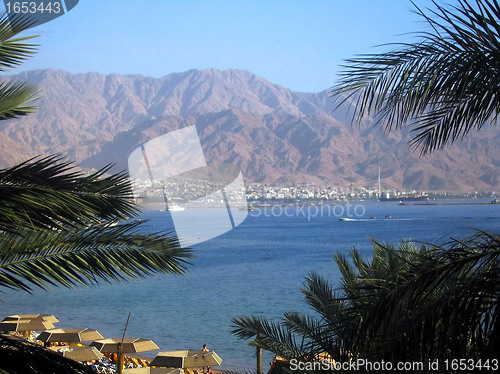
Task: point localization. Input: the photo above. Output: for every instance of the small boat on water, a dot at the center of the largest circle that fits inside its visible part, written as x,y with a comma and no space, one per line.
372,217
345,219
388,216
403,199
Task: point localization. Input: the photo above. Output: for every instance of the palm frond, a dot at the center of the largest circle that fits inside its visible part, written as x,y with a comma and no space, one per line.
447,82
48,258
16,100
460,268
320,295
48,193
317,335
441,305
14,51
268,335
245,327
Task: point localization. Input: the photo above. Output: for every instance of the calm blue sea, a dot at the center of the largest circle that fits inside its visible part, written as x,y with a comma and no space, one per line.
257,268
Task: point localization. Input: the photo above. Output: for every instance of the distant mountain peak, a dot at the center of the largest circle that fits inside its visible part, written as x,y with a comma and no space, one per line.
273,133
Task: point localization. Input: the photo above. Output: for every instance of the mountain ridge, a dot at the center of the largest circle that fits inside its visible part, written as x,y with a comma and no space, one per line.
273,133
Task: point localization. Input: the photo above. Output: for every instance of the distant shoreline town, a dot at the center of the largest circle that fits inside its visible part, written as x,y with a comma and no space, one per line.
202,191
325,193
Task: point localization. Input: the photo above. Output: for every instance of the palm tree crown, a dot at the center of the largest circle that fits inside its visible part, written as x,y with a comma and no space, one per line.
414,303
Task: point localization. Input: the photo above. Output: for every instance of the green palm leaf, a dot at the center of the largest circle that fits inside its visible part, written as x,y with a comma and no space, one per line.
48,193
49,258
14,50
246,327
317,335
456,291
269,335
16,99
446,83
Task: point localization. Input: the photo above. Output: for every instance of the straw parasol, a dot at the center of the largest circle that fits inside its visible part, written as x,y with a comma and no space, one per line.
123,345
186,359
80,354
130,345
150,370
45,317
25,325
69,335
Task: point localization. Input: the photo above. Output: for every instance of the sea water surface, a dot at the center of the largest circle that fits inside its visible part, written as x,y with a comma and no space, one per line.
257,268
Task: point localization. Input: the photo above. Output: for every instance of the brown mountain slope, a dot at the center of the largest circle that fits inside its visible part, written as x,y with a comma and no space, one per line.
272,133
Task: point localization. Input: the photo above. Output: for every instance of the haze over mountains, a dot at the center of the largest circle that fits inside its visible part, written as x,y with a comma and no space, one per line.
272,133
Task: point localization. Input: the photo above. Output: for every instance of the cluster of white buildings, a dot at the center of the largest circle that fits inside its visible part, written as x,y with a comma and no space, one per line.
308,192
181,191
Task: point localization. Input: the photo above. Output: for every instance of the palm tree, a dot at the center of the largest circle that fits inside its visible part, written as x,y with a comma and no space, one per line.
58,226
446,83
410,304
339,313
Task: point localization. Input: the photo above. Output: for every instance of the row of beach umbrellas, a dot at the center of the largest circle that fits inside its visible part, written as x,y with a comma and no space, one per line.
27,323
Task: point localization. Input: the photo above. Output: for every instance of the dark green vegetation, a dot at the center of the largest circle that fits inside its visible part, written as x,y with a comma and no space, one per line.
407,304
58,225
411,304
59,228
446,82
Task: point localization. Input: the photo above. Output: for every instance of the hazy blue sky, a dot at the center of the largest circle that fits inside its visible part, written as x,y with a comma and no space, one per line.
295,43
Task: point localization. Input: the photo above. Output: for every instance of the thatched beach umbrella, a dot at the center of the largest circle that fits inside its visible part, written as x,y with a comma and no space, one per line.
129,345
150,370
25,325
45,317
120,346
78,335
80,354
186,359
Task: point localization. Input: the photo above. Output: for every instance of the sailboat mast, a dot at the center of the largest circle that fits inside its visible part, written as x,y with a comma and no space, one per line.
379,190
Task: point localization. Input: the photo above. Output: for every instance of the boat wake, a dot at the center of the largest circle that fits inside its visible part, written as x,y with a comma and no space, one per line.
344,219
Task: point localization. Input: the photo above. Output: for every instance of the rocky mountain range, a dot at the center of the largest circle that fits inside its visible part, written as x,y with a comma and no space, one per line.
275,135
